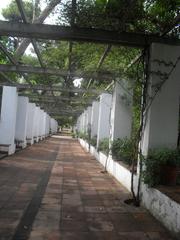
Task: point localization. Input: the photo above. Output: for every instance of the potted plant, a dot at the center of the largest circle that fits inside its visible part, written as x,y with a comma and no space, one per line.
169,166
161,167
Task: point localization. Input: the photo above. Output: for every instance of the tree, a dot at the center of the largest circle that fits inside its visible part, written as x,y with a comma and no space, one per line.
11,12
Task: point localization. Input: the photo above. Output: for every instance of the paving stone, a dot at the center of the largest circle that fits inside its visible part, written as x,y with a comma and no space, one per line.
79,202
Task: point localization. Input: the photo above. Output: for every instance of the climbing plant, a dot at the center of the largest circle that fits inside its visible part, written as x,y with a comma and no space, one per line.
142,16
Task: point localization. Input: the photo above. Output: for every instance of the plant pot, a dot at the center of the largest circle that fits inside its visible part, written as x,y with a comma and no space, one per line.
169,175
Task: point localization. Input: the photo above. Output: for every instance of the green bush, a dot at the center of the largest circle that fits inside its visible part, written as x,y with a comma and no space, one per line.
153,163
73,134
104,146
122,149
82,135
93,141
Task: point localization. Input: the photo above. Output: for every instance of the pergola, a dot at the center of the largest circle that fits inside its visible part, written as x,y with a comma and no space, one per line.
37,30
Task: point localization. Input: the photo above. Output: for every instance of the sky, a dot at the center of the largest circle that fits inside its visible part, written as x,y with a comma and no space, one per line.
3,4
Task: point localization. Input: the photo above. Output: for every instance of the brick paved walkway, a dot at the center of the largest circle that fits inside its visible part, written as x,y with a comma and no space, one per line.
54,190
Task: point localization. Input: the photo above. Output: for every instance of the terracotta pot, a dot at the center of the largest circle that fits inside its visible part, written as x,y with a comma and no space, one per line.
169,175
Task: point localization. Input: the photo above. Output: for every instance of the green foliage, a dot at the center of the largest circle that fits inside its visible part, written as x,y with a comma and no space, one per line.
122,149
154,162
93,141
121,15
104,146
86,56
152,16
83,135
56,54
162,12
73,135
11,12
65,121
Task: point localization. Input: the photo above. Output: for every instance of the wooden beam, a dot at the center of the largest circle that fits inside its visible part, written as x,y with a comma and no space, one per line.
167,30
12,60
103,57
58,101
60,111
25,20
54,71
54,32
40,19
61,114
5,78
61,98
49,88
31,69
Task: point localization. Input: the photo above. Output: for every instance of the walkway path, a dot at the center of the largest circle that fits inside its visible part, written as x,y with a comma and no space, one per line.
54,190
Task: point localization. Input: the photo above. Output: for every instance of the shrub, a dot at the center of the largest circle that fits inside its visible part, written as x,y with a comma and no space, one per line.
104,146
84,136
73,134
152,172
122,149
93,141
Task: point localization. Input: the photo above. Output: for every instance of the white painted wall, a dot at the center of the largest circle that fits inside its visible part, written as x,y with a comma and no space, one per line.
121,114
104,116
88,119
36,124
30,123
44,125
161,128
21,121
78,124
41,116
161,206
8,119
84,122
94,118
47,125
89,113
53,126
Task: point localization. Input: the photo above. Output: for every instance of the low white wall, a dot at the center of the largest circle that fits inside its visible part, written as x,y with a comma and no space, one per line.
36,124
8,119
94,118
161,206
40,131
30,123
122,174
21,121
47,126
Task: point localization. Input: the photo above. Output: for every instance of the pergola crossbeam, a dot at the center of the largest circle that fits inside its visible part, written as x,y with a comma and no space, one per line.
103,57
24,17
52,71
61,98
49,88
55,32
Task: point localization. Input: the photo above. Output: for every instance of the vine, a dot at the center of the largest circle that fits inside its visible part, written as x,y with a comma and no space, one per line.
146,104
